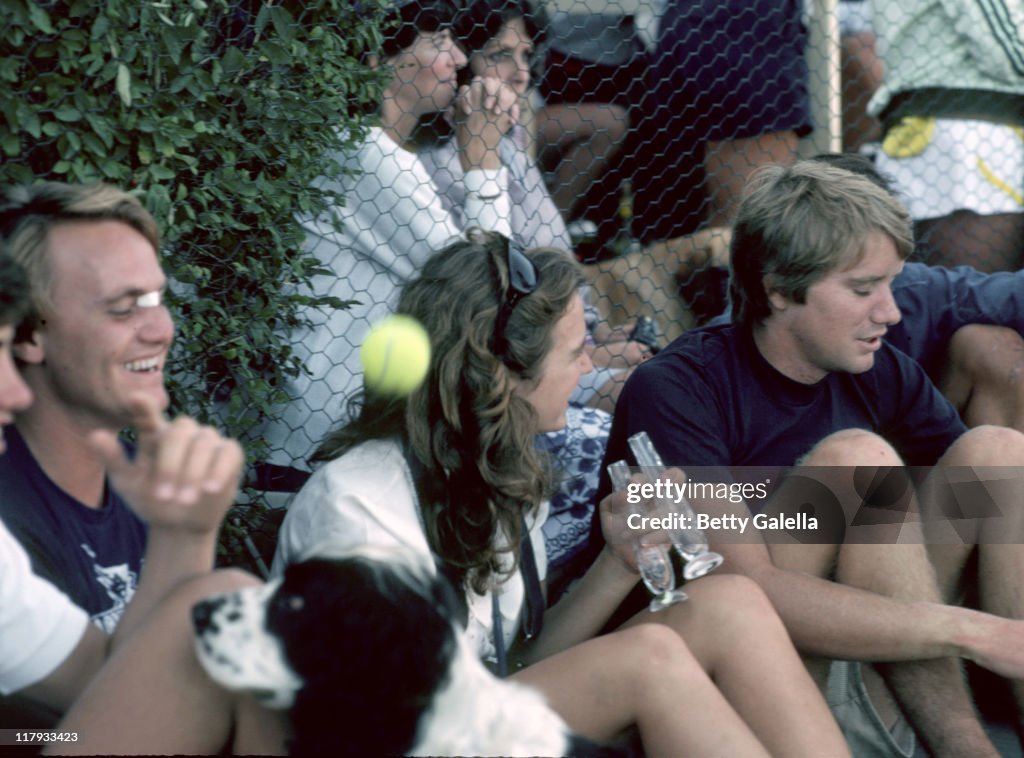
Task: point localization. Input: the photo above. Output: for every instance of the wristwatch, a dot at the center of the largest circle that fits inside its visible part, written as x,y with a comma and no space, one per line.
486,183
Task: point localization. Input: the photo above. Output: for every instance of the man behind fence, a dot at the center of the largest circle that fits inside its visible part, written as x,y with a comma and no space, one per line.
803,377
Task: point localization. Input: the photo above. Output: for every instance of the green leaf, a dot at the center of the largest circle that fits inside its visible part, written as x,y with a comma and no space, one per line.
40,19
10,144
100,27
276,53
234,61
68,113
284,23
182,82
175,39
74,142
124,85
32,125
102,128
113,171
93,144
161,173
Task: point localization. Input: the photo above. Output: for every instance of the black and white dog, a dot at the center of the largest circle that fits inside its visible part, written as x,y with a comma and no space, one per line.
363,649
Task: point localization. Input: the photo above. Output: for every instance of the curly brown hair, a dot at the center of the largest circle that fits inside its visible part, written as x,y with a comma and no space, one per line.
468,429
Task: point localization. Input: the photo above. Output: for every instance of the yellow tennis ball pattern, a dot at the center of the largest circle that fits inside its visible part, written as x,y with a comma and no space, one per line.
395,356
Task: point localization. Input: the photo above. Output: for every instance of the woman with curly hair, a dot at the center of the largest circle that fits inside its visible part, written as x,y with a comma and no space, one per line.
451,472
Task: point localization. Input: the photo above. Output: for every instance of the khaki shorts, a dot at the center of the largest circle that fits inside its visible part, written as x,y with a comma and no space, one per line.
860,723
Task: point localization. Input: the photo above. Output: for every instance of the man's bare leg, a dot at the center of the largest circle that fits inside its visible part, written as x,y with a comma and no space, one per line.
579,140
984,375
931,693
153,696
997,455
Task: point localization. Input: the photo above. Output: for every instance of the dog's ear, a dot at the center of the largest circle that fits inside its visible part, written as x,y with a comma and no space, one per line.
367,645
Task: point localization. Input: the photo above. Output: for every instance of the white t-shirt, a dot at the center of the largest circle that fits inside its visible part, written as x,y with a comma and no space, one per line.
39,625
367,496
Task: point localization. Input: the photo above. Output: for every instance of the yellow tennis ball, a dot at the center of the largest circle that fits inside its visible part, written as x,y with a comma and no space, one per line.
395,356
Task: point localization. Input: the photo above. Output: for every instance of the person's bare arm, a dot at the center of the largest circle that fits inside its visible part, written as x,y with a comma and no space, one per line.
834,620
59,689
153,695
181,482
583,611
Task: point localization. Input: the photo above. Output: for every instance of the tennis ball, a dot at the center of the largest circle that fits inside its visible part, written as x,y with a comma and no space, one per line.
395,356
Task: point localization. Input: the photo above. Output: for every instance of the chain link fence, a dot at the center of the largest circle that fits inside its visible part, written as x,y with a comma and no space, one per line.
295,199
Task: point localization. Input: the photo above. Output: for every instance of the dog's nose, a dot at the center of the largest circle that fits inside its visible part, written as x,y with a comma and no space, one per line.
202,615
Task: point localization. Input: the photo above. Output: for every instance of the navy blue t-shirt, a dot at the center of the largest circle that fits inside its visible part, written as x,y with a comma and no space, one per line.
934,302
92,555
711,399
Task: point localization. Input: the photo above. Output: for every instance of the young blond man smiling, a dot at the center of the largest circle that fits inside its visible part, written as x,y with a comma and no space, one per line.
151,695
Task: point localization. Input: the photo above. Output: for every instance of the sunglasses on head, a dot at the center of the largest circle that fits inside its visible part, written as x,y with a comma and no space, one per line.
522,280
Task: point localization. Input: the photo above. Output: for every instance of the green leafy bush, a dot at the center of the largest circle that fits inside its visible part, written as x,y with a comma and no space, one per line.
217,114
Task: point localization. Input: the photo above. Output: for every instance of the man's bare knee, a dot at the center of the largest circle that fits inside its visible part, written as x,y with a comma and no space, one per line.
977,347
865,476
986,445
852,447
984,375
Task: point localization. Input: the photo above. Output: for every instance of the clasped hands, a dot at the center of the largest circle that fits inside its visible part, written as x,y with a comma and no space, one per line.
484,111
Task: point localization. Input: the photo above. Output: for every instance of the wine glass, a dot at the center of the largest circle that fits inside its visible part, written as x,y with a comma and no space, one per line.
690,542
652,560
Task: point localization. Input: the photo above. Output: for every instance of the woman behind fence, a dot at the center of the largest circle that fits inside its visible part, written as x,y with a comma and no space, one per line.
500,37
451,472
393,221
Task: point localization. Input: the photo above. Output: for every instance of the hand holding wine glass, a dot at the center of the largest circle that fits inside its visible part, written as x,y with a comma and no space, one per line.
690,542
652,559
